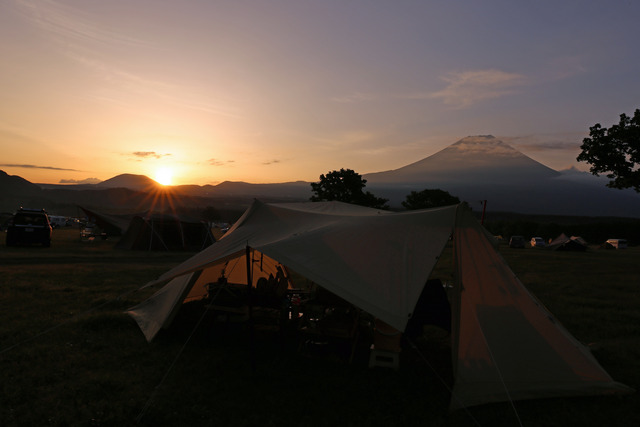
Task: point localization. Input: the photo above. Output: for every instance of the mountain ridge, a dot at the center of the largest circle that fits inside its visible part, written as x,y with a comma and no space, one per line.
474,169
481,156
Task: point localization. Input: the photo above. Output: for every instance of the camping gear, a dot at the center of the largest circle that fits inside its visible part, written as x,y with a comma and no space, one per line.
505,344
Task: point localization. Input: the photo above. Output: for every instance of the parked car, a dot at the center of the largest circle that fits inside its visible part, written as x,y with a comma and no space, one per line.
516,242
29,226
537,242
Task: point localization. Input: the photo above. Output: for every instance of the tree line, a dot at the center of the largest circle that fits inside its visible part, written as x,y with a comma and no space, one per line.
348,186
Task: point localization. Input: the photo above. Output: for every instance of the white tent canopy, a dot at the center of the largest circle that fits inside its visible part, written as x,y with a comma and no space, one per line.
506,345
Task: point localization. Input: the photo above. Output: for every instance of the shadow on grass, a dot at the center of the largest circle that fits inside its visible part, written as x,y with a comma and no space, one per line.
225,376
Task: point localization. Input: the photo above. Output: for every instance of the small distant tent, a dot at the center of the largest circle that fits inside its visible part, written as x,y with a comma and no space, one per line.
505,344
565,243
154,232
111,224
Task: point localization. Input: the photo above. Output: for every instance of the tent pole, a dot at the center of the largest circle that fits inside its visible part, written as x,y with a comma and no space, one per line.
150,234
249,297
184,244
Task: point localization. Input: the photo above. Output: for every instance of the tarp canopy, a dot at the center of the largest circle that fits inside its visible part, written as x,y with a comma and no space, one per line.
506,345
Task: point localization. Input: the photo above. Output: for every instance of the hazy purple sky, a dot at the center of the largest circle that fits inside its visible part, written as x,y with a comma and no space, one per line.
272,91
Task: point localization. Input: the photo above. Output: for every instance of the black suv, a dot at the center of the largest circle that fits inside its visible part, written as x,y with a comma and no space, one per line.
29,226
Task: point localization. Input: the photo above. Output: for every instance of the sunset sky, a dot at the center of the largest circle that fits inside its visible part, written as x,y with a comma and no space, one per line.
285,90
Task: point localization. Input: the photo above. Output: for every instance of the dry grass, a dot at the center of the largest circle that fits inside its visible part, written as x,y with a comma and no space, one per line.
70,356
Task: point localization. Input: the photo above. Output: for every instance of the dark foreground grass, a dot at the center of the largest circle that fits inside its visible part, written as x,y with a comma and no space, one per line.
69,356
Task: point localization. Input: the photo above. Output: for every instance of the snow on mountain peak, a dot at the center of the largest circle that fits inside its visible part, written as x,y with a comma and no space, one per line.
484,144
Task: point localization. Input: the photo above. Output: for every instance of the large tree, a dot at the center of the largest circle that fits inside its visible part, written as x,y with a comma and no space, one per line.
346,186
426,199
615,151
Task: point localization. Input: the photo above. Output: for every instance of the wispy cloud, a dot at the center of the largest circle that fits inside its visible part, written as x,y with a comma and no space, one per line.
10,133
216,162
84,38
565,67
546,142
72,24
149,154
23,166
470,87
171,93
355,97
271,162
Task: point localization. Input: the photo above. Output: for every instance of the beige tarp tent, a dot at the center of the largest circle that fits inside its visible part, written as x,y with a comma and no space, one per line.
506,345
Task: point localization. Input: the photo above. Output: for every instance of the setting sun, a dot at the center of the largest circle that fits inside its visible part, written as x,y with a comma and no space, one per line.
164,176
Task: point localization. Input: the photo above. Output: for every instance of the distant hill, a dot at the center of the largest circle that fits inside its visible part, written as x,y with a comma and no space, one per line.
286,191
17,192
473,169
131,181
14,185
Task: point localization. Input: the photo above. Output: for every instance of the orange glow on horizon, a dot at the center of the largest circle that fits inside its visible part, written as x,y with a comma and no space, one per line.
164,176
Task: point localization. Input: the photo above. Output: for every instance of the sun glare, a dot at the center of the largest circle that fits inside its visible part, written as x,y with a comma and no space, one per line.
164,176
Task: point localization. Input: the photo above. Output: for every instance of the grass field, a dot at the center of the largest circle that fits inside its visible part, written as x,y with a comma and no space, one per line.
70,356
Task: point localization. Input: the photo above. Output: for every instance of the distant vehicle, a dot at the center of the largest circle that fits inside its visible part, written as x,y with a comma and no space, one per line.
516,242
88,231
29,226
537,242
617,243
58,221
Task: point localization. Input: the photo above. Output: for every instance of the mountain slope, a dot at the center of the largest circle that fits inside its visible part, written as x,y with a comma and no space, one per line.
481,168
131,181
15,185
17,192
473,158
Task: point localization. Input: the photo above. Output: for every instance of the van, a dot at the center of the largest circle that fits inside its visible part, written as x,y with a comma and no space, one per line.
617,243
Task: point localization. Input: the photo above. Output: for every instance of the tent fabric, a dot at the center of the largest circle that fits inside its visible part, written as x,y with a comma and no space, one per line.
505,344
165,232
376,260
509,346
167,300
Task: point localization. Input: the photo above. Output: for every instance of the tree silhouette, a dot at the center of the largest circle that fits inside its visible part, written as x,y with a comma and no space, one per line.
615,151
346,186
426,199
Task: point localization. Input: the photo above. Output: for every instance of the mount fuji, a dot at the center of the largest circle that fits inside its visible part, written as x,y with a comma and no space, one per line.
483,168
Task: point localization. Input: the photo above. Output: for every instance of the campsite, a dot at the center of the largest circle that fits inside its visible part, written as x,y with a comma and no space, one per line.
71,356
